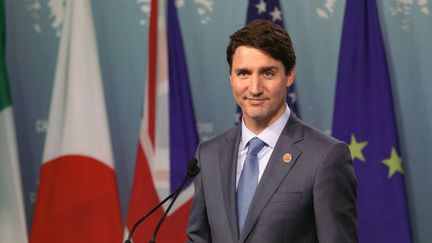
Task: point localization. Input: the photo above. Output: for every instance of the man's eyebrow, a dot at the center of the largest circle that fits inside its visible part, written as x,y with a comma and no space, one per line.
268,68
241,70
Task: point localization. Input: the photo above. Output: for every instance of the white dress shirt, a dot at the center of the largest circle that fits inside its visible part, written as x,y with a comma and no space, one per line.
270,135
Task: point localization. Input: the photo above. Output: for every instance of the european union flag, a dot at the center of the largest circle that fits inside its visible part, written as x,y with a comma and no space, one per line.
270,10
364,118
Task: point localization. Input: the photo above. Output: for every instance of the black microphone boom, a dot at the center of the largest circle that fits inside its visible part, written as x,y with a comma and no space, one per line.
192,171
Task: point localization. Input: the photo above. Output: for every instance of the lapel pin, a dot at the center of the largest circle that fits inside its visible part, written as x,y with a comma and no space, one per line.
287,157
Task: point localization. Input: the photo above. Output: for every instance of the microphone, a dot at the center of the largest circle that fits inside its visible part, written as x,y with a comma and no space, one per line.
192,171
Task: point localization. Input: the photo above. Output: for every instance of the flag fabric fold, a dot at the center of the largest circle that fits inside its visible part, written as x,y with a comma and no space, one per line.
168,135
77,198
183,132
12,217
364,118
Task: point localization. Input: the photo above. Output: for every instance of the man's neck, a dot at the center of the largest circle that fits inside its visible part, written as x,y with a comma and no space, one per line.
257,126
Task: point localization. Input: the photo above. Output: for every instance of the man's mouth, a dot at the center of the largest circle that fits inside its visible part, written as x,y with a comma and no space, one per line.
256,101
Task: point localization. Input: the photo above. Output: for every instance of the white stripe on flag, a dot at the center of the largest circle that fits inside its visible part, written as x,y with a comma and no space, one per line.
12,217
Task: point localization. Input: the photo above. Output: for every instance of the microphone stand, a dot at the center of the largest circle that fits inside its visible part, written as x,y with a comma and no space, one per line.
177,193
192,171
145,216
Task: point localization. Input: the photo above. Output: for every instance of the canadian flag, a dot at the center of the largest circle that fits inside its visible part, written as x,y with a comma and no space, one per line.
168,135
77,199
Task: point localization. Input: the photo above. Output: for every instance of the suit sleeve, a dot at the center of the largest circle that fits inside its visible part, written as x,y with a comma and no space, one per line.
335,197
198,228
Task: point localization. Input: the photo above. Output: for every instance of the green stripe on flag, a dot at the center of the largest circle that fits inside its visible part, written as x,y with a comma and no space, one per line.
5,99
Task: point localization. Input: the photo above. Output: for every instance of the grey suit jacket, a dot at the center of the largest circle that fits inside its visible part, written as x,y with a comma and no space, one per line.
310,199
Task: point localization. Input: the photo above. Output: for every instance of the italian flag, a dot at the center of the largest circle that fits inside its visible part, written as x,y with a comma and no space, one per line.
12,217
77,198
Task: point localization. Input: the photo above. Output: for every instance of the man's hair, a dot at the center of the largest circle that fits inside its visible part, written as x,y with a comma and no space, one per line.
265,36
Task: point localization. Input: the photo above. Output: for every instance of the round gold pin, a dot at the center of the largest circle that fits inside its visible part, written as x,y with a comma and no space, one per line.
287,158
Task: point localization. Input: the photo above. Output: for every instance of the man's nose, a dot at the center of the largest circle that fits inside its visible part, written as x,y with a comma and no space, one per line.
255,86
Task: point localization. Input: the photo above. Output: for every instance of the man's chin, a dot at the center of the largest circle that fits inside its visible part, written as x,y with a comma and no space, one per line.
255,117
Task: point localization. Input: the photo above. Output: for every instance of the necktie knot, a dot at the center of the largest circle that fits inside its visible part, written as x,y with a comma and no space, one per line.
255,146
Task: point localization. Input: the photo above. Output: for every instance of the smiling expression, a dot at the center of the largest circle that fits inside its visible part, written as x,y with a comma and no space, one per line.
259,85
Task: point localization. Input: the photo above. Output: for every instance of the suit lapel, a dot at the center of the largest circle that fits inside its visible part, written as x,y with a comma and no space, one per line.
274,173
228,165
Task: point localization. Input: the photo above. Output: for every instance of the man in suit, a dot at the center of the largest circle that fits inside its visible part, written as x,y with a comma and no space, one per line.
271,178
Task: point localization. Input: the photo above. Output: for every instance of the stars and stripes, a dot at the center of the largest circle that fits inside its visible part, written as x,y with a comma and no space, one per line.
265,9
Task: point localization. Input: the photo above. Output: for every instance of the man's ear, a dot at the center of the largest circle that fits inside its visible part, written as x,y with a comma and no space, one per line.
290,77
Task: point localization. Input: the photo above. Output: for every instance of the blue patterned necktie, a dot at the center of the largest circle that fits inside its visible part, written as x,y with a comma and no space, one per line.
248,180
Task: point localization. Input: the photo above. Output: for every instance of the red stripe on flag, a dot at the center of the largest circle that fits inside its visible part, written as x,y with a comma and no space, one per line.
174,228
77,202
144,198
152,70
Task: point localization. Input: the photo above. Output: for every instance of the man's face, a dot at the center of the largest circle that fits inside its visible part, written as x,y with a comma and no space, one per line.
259,86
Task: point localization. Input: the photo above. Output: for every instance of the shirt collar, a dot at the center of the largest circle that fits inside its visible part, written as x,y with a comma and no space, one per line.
269,135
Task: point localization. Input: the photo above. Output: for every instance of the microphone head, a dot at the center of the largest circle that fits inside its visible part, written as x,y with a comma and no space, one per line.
193,169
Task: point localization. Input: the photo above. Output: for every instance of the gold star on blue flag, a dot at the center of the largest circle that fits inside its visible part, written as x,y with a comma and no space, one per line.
356,148
394,163
364,107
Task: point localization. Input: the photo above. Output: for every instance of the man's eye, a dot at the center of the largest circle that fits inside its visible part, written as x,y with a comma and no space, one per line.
242,74
268,74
